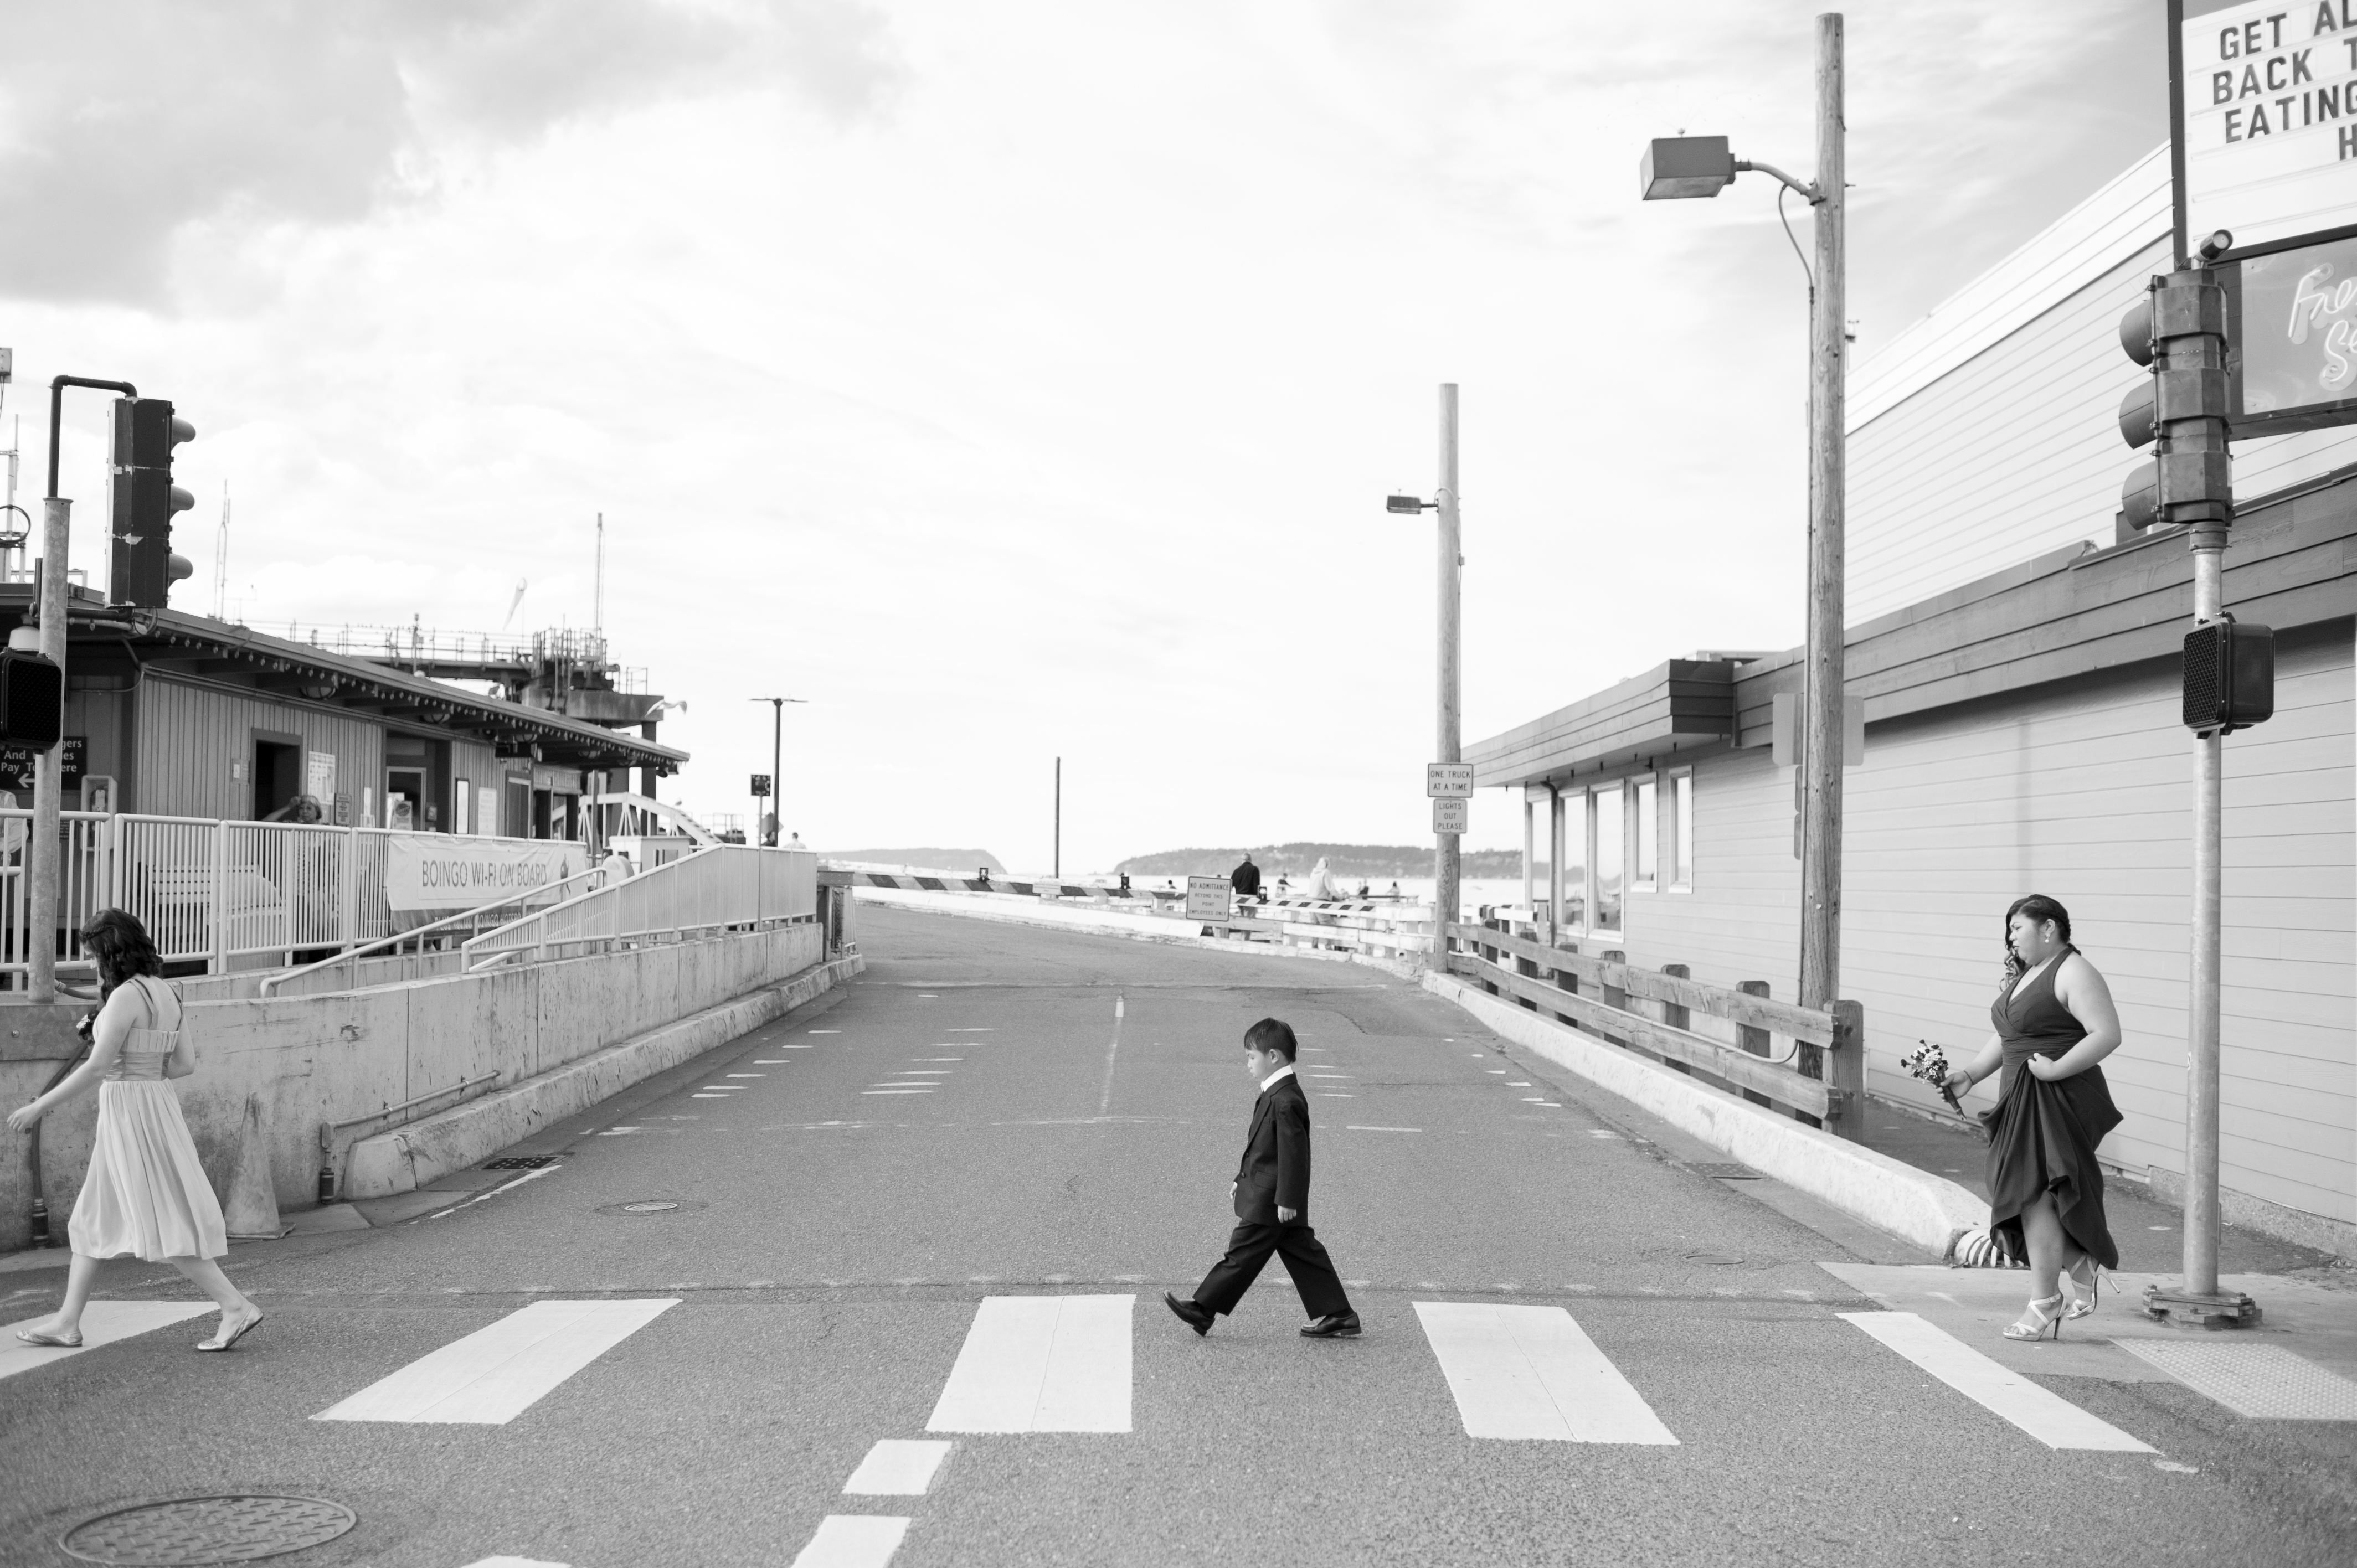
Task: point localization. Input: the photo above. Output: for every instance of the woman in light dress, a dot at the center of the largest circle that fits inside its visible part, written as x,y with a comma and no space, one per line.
146,1195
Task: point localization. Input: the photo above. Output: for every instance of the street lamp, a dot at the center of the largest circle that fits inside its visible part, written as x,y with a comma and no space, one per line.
777,767
1680,168
1446,863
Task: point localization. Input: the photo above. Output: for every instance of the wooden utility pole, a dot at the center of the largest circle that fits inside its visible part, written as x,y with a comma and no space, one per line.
1446,864
49,775
1821,759
1057,860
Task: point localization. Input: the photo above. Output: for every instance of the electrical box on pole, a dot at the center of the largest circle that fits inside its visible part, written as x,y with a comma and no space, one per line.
143,501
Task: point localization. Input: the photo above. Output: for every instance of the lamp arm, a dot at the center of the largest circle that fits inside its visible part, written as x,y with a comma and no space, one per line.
1810,191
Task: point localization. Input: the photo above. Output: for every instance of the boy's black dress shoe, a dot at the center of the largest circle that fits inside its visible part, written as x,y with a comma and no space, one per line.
1334,1326
1198,1317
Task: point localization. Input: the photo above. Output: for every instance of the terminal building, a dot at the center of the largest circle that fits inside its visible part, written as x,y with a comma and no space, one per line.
2014,648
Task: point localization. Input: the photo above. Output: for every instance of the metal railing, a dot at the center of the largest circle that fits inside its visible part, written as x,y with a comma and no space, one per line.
435,948
719,888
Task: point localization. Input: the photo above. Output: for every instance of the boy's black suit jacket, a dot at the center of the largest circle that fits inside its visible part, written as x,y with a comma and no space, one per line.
1275,1167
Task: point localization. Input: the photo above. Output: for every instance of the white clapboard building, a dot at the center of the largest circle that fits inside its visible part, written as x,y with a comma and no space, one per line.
2017,662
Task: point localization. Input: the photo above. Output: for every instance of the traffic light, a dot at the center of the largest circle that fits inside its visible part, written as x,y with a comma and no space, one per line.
2179,330
32,700
143,567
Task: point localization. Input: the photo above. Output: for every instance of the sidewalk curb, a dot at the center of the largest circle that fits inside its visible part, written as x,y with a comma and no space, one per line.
409,1158
1105,923
1915,1205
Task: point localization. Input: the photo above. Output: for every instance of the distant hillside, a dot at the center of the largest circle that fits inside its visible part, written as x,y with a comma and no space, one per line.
1347,860
962,861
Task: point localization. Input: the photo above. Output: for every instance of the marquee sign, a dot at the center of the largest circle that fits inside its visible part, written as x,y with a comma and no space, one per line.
2292,329
2270,122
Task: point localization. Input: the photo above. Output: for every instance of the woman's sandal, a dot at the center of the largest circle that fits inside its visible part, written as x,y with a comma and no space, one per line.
2085,1289
41,1340
2042,1316
223,1341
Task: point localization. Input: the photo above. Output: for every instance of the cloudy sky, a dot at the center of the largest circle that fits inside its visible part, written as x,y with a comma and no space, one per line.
1012,381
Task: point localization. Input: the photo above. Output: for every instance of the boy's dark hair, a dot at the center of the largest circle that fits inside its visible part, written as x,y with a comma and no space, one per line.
1272,1035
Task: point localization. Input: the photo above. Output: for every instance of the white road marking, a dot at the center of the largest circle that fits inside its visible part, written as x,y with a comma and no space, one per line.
1530,1372
2050,1418
823,1031
707,1096
103,1323
896,1091
1041,1363
929,1072
513,1562
1518,1084
528,1176
969,1031
1357,1129
773,1061
748,1075
937,1059
495,1374
1334,1094
619,1132
853,1540
897,1467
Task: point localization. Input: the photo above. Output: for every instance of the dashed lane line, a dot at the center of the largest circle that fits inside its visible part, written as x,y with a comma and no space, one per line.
853,1540
899,1467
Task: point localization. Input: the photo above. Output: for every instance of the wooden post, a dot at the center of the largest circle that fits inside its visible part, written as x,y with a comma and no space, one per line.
1751,1037
42,850
1530,844
1554,856
1615,995
1820,760
1676,1014
1846,1071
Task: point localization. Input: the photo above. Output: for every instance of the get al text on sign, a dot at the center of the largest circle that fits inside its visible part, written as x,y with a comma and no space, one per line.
2270,131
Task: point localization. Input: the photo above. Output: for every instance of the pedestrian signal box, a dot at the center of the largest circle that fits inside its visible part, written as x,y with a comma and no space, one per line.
761,785
2230,676
32,700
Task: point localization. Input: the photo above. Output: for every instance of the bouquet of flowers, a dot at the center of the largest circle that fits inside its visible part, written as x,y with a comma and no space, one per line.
1930,1063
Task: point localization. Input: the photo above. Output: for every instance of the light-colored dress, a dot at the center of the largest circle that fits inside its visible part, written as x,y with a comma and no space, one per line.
146,1194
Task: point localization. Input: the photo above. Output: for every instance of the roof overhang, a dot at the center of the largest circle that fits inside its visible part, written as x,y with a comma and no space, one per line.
1681,706
175,643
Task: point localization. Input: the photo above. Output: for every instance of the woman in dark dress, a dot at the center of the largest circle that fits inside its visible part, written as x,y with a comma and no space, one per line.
2054,1021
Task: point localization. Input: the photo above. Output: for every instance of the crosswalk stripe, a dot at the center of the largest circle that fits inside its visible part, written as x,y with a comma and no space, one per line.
495,1374
513,1562
1531,1372
103,1323
897,1467
853,1540
2050,1418
1041,1363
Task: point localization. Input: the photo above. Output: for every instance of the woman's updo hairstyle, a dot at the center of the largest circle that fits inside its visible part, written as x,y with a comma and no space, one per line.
2041,910
119,944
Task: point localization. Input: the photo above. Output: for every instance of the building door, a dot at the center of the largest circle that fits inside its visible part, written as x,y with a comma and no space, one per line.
515,810
277,776
405,799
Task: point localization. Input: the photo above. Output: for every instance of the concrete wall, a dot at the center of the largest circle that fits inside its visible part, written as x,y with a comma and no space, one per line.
330,1058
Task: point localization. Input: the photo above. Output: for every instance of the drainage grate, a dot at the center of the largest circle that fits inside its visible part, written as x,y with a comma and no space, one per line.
1726,1173
2265,1382
520,1163
224,1529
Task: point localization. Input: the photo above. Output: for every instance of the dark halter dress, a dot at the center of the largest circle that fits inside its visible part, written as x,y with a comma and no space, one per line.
2042,1136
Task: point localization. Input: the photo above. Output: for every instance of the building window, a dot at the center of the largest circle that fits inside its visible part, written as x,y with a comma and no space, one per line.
1607,851
1646,874
1681,828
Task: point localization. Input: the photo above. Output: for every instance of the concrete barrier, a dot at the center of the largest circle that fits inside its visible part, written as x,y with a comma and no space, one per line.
1926,1209
413,1155
1178,932
331,1058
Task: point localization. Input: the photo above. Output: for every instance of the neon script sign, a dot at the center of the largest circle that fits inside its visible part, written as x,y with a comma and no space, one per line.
2292,344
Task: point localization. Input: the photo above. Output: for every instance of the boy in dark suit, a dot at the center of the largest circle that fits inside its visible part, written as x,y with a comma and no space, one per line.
1272,1203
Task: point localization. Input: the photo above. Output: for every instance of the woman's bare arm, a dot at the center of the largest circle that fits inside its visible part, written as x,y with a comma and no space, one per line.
113,1026
1987,1060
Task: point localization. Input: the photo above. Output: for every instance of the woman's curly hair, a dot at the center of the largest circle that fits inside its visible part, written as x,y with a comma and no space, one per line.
120,947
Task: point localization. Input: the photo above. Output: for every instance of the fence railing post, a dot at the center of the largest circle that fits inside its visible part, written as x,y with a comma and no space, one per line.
1846,1071
1676,1014
347,889
215,915
1751,1037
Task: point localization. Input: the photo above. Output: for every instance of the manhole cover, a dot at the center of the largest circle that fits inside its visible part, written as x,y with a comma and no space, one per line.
1726,1173
229,1528
521,1162
1724,1259
650,1206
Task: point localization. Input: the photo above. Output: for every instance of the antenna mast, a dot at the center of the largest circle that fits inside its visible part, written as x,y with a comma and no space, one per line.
598,601
220,559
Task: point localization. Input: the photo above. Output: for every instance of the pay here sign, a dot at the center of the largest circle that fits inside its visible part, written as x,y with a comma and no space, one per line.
2270,131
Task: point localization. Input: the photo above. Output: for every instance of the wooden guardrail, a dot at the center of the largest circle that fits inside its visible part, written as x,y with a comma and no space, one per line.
1825,1078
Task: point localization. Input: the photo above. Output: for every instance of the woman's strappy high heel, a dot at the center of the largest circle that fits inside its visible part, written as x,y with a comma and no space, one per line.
2085,1287
2042,1316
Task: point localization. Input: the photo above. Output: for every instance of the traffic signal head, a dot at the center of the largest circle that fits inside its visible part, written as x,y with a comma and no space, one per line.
32,700
2179,331
145,499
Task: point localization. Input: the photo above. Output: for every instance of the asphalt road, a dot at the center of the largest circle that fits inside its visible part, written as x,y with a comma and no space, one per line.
837,1228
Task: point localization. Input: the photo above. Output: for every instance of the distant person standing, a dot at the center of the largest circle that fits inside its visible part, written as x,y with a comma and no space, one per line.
1322,881
1271,1198
1246,878
146,1194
